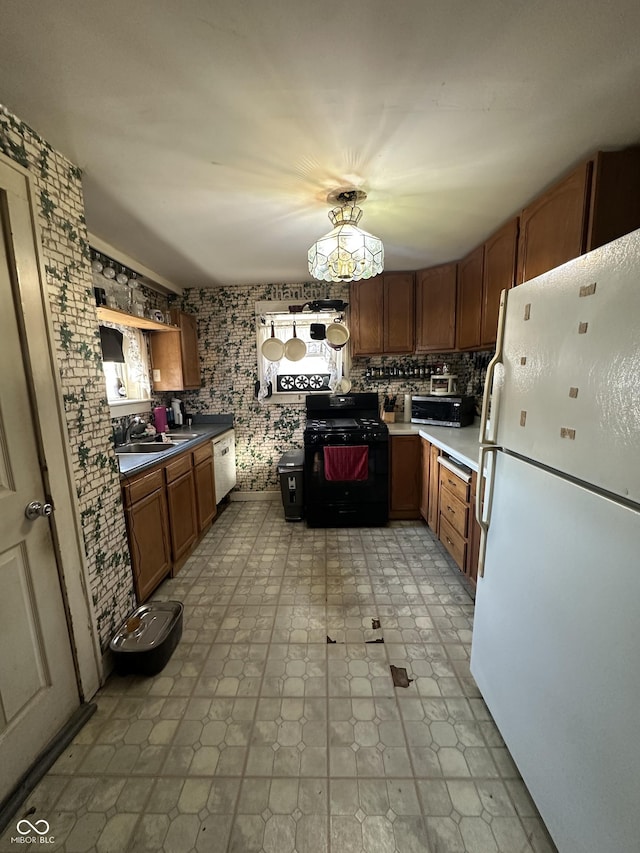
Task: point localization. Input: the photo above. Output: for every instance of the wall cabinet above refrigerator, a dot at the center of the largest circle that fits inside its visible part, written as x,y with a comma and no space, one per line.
594,204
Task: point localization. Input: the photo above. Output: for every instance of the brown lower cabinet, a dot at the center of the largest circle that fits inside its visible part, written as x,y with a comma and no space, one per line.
458,530
147,520
420,485
181,500
167,508
429,485
205,485
405,467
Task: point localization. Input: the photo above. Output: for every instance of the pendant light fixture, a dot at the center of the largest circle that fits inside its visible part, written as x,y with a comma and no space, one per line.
346,253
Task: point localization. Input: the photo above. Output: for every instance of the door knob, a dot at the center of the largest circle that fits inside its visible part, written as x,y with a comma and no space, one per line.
35,510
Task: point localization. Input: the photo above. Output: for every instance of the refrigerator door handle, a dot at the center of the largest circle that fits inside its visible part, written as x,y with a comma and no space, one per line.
488,384
483,501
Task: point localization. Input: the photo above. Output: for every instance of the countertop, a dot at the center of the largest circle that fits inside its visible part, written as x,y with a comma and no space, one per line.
134,463
463,442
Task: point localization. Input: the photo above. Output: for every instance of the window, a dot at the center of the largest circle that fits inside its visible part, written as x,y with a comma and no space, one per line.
319,371
128,382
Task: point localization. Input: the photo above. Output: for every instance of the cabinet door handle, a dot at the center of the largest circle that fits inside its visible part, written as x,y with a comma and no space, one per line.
449,540
451,482
450,510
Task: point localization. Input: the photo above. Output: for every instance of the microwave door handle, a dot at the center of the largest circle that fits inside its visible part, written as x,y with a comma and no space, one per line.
484,500
490,395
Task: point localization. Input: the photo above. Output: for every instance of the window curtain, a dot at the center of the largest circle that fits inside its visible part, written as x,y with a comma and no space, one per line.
269,372
135,352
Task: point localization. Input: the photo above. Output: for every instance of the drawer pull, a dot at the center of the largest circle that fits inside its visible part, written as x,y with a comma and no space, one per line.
451,482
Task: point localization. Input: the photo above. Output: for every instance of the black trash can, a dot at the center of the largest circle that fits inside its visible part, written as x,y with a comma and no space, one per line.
291,474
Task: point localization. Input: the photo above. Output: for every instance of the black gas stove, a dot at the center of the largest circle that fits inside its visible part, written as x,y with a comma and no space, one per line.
346,461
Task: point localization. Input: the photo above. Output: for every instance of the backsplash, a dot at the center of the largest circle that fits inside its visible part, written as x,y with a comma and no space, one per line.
65,250
469,367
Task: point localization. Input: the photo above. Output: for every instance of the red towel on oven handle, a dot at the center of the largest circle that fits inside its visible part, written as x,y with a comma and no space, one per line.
346,463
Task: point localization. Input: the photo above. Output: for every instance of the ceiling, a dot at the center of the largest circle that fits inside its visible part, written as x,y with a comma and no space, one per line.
210,133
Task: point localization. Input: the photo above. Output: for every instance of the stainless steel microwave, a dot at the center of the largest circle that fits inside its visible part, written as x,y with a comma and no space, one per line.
443,411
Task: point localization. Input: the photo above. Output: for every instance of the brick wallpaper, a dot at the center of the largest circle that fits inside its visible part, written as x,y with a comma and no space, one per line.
68,277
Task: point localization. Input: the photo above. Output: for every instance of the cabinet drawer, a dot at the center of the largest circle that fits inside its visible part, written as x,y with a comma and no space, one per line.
456,485
453,542
454,510
202,453
178,467
139,487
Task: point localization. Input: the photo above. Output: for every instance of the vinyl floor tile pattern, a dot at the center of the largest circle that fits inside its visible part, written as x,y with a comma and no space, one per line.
276,726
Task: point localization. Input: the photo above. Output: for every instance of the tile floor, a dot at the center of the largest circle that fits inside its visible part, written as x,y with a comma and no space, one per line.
260,735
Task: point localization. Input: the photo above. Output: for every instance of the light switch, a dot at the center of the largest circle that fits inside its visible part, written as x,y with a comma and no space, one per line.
156,376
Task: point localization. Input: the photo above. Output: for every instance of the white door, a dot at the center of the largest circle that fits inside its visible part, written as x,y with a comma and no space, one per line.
555,651
38,687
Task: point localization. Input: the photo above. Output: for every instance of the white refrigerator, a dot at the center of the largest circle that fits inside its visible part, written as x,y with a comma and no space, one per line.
556,637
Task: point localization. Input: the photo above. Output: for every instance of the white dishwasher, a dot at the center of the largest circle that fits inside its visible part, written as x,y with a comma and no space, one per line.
224,463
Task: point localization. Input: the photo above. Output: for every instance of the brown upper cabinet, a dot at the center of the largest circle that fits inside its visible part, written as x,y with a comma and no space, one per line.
382,314
552,228
482,276
457,305
436,309
594,204
499,272
469,302
175,360
367,326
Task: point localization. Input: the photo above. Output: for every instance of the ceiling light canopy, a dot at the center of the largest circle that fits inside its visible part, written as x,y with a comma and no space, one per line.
346,253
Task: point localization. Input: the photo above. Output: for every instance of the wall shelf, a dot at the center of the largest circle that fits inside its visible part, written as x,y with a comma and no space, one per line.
114,315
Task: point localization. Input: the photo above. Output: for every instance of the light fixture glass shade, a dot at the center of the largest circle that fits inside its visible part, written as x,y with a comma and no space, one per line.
347,253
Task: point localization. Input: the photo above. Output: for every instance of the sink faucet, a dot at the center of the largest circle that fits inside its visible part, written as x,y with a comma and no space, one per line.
135,426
